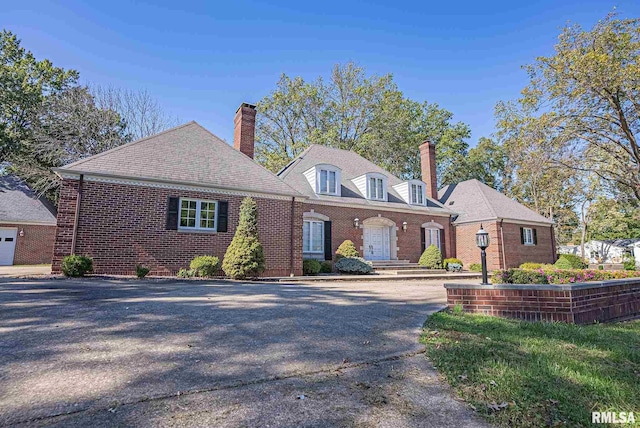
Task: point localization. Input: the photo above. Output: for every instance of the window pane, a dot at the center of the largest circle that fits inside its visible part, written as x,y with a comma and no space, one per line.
207,215
332,182
317,236
414,193
323,180
372,188
188,213
420,197
380,189
306,228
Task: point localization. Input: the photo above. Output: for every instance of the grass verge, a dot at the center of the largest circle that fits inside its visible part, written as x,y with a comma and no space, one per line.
524,374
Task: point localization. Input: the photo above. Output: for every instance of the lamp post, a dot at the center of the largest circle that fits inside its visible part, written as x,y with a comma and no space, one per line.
482,241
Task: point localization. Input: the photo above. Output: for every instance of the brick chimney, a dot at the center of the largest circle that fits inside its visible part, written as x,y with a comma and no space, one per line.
244,129
428,167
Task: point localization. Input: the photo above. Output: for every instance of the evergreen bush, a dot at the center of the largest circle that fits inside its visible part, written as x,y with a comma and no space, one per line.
141,271
76,266
245,256
353,265
310,267
346,249
326,267
445,262
431,258
205,266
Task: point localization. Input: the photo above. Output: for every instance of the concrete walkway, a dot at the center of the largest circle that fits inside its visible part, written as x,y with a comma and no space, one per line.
166,353
24,270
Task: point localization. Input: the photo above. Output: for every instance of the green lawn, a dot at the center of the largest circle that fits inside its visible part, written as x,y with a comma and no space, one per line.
537,374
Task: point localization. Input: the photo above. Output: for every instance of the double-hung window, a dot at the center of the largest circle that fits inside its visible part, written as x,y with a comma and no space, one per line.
432,237
376,188
417,194
328,183
197,214
527,236
313,237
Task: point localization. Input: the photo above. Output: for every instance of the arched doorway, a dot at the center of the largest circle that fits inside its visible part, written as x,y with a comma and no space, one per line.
379,238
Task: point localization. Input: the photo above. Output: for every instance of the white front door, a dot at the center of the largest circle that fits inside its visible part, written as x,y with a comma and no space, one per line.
376,243
7,245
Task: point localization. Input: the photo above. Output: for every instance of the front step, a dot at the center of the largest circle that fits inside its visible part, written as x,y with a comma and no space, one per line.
423,271
376,263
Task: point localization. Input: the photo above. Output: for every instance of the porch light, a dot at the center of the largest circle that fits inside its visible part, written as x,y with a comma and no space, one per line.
482,241
404,226
21,232
356,222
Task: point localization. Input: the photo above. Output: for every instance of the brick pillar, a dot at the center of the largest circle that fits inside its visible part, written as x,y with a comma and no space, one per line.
244,129
428,167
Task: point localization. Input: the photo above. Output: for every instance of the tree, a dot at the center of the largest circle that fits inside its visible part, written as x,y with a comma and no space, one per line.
67,127
366,114
24,83
589,94
140,112
245,257
613,219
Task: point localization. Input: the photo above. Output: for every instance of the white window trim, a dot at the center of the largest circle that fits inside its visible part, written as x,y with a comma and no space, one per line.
310,251
198,209
328,169
384,187
529,235
422,193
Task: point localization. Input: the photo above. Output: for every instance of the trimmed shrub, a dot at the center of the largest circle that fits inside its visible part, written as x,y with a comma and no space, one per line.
76,266
563,263
310,266
245,256
431,258
186,273
326,267
531,266
475,267
205,266
558,276
446,262
141,271
454,267
575,261
353,265
520,276
629,262
346,249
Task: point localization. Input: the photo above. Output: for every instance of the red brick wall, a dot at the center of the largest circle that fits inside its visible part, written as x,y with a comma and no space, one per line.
36,246
580,304
468,252
409,242
515,252
121,226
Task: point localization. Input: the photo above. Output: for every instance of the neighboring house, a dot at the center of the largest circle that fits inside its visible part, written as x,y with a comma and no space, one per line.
27,224
605,251
517,234
349,197
165,199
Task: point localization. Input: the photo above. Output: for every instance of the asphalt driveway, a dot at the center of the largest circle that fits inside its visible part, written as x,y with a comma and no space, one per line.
170,353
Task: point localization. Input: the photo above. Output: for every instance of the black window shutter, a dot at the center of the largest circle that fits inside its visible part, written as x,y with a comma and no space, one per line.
442,242
328,249
535,237
172,213
522,235
422,241
223,216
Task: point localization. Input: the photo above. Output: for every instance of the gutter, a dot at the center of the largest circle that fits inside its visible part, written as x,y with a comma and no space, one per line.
292,237
77,215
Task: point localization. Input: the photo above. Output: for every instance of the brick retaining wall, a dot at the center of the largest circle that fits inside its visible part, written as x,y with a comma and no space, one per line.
581,303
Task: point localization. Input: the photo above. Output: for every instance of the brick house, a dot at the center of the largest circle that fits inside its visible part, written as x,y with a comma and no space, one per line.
27,224
517,234
349,197
165,199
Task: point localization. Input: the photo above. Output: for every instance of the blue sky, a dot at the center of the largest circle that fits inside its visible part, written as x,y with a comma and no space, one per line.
202,59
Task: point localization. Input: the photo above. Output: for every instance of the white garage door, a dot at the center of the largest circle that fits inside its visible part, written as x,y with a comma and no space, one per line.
7,245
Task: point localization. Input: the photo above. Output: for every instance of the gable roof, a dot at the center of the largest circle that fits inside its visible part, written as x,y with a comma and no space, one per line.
352,165
622,243
475,201
18,203
187,154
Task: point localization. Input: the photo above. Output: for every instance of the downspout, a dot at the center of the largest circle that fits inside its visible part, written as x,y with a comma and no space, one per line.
504,255
77,215
292,233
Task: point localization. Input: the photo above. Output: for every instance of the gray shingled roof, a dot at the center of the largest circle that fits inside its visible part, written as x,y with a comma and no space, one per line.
187,154
352,165
475,201
18,203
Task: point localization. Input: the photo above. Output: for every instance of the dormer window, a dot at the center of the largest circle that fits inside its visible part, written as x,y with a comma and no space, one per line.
324,179
417,194
376,188
328,183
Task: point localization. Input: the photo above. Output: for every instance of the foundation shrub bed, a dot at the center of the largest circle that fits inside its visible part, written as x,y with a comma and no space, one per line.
558,276
311,267
445,262
353,265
